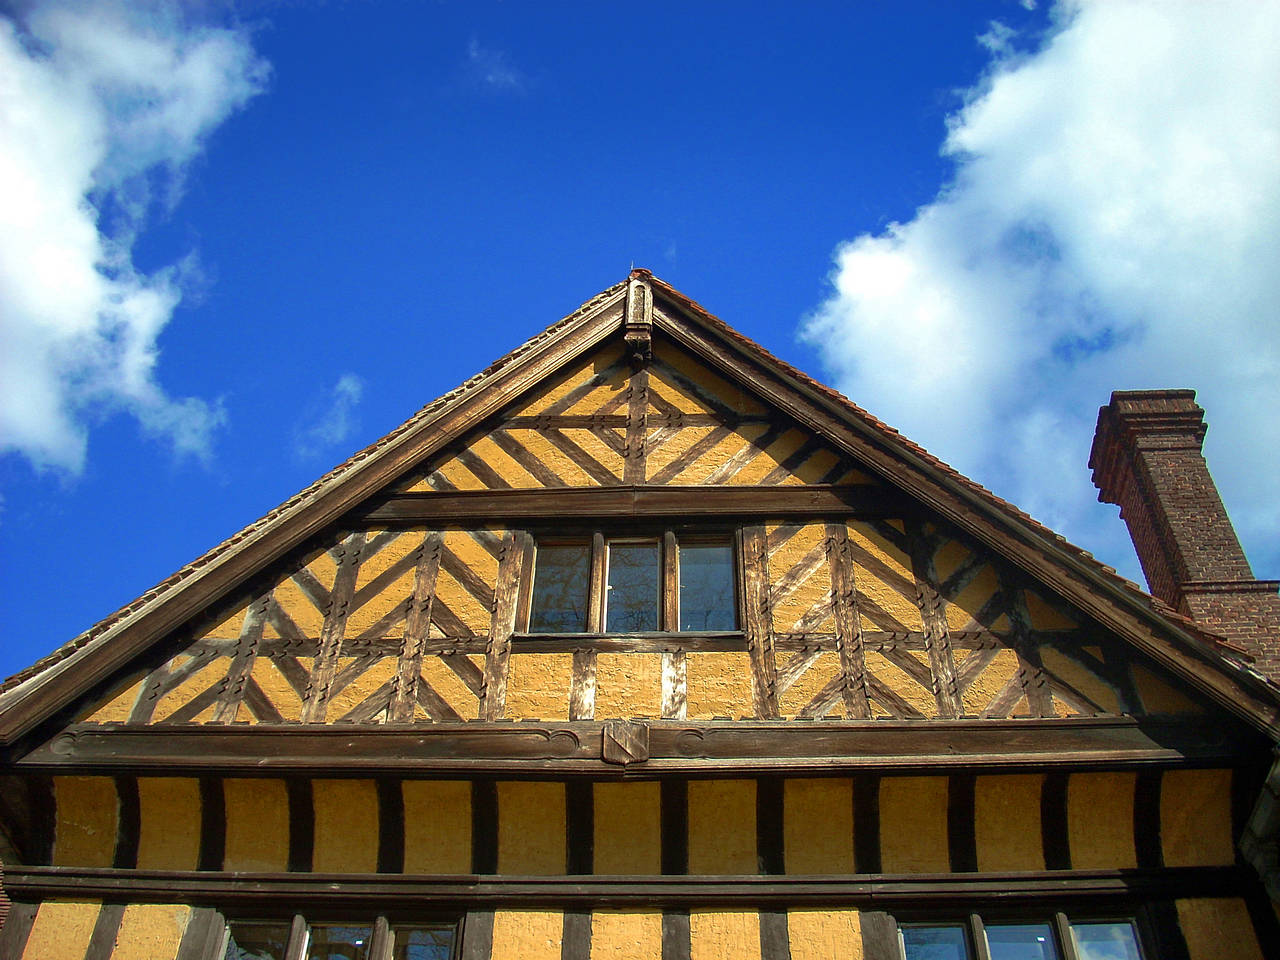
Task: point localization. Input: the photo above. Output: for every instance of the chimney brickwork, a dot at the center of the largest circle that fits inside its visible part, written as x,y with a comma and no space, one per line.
1147,459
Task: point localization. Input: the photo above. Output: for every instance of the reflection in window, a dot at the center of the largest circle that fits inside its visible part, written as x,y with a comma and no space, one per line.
423,943
707,600
331,941
632,603
935,943
561,576
257,941
1105,941
1022,941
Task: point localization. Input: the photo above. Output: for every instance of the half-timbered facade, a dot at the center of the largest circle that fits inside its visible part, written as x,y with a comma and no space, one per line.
639,644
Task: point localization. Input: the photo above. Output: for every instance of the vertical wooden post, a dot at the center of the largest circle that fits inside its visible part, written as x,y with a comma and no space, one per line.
502,625
759,621
1035,684
848,623
582,683
674,693
416,628
335,628
232,694
937,639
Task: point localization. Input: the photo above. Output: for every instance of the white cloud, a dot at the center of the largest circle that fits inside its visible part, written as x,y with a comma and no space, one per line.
102,107
330,420
1113,223
493,70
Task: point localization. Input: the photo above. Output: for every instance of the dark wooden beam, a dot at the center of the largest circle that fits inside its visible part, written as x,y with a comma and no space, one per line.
385,891
529,749
634,501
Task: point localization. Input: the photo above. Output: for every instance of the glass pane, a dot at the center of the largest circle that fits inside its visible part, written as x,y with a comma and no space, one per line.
1106,941
339,942
935,943
257,941
706,587
561,576
423,943
631,604
1021,941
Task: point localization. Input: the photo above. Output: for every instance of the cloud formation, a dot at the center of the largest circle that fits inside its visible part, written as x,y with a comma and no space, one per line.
1113,223
492,70
331,420
103,106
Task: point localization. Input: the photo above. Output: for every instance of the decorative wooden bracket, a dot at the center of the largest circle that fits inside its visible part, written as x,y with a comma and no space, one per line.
639,328
624,742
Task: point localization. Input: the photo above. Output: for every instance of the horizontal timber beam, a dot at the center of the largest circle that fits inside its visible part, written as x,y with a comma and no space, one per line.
675,748
285,891
637,501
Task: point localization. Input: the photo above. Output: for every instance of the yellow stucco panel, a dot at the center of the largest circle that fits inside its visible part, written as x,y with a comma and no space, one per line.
118,702
527,935
1159,696
626,935
682,380
531,828
1044,616
1195,818
964,609
913,825
85,826
1062,667
799,693
605,365
817,826
628,828
257,814
884,581
800,604
1007,822
168,806
1216,928
538,686
987,685
901,682
722,827
298,607
277,688
151,931
824,934
719,685
61,929
437,826
346,826
724,935
446,682
1100,821
200,681
628,685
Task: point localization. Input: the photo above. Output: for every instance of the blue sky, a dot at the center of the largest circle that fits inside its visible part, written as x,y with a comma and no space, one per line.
243,241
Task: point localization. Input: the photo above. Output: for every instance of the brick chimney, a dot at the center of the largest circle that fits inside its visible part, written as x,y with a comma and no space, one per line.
1146,458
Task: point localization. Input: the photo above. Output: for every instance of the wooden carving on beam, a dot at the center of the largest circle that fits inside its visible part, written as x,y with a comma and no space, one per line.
639,324
624,742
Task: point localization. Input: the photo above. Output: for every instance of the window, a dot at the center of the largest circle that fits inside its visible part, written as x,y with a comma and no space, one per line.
376,940
633,584
1059,938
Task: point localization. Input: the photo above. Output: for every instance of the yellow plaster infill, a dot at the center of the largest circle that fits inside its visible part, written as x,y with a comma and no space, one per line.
474,614
1045,617
699,470
527,935
722,827
817,826
277,689
322,567
346,826
300,609
226,626
673,448
1080,677
1158,696
949,557
989,682
391,552
504,465
85,830
813,469
463,544
361,688
913,825
445,681
901,683
770,457
61,929
597,450
724,935
1216,928
531,828
556,460
964,606
600,361
1100,821
1195,818
628,828
1007,822
151,931
729,395
437,826
814,591
626,935
825,934
628,685
456,474
257,825
807,686
719,685
896,596
194,685
168,807
118,704
538,686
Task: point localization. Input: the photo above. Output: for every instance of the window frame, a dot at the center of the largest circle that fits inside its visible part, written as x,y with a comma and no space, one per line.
1060,922
597,540
383,926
